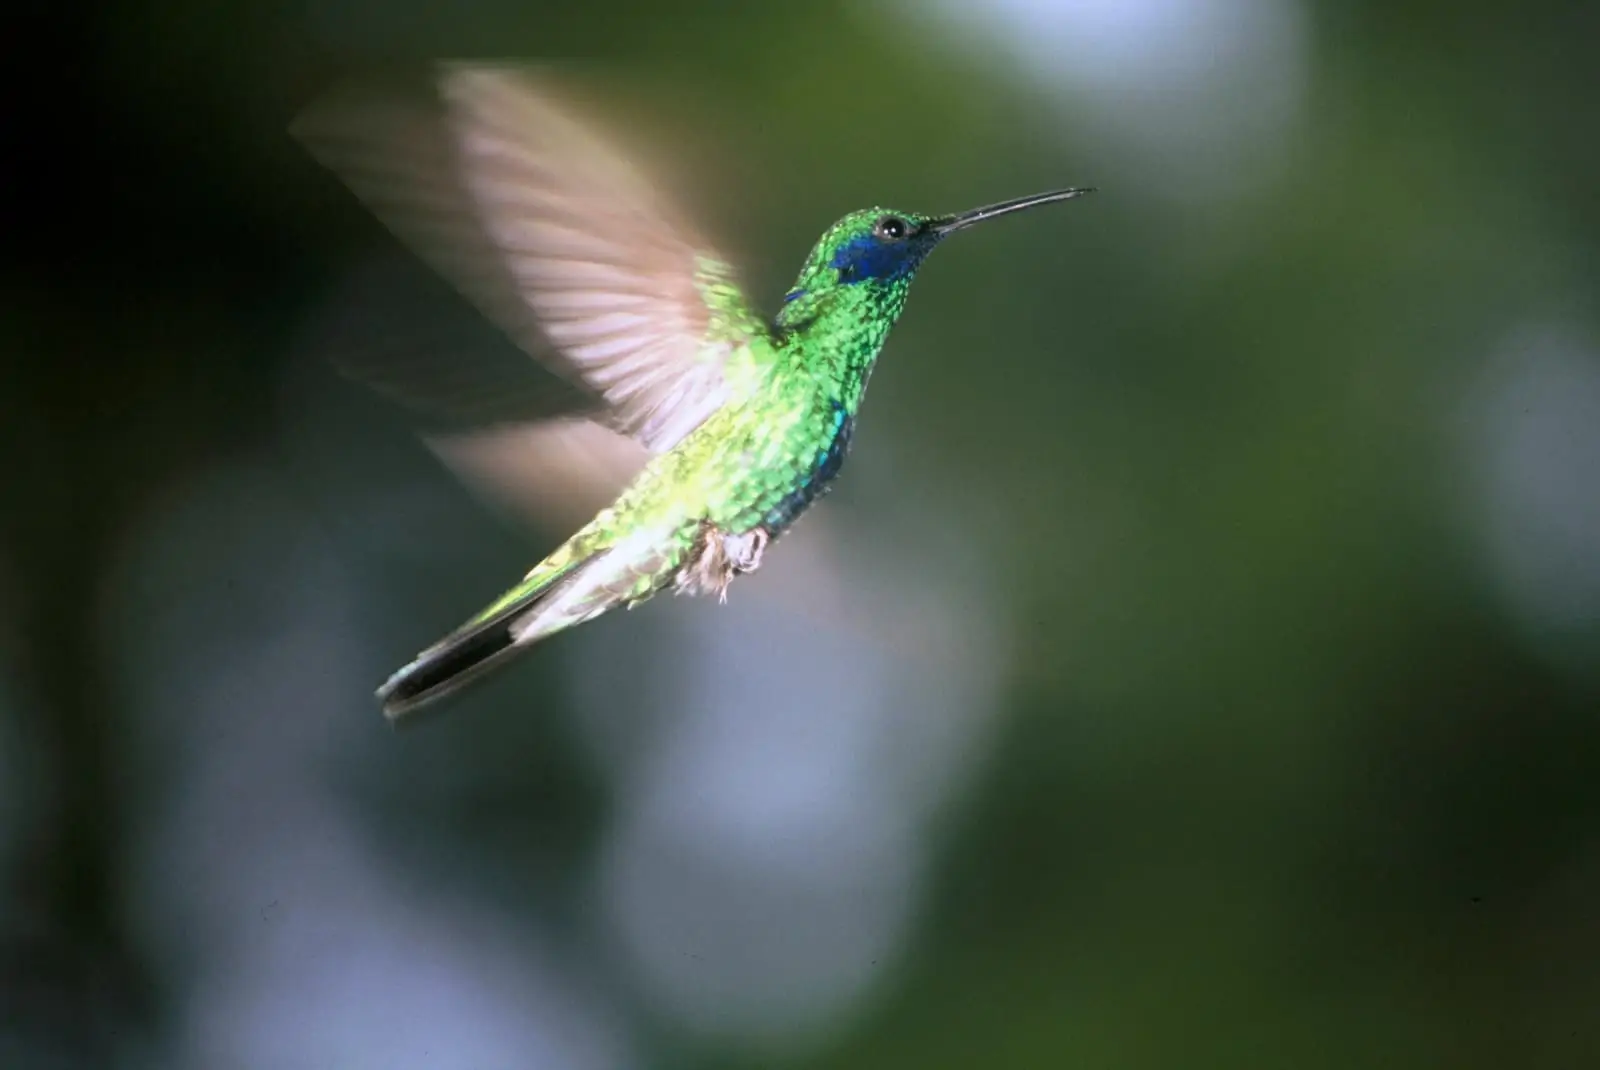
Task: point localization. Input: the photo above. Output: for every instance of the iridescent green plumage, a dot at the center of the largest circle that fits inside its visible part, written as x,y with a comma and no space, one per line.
560,243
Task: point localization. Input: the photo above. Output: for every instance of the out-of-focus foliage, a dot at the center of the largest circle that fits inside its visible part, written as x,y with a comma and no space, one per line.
1206,664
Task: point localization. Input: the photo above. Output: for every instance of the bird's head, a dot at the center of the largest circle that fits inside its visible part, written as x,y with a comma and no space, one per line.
869,258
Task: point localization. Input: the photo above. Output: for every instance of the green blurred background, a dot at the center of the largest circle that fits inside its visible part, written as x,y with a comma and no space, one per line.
1222,556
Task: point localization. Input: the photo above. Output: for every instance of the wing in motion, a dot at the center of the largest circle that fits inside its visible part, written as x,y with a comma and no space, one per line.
555,238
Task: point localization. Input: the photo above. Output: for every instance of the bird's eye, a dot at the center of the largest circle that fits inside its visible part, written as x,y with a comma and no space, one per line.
891,228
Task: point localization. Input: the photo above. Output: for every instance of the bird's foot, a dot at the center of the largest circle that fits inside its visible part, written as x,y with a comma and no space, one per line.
720,556
744,551
740,554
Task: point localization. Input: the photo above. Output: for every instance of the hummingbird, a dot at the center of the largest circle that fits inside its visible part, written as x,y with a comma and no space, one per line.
556,237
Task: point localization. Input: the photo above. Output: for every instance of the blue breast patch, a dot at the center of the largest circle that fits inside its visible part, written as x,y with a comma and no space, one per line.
829,460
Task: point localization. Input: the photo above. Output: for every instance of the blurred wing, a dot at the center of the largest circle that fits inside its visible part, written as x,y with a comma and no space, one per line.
554,237
397,327
546,472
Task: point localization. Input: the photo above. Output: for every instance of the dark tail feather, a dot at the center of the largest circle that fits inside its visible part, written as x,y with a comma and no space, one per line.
465,655
447,667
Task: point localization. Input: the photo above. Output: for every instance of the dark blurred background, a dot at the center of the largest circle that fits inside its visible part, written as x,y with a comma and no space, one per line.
1207,668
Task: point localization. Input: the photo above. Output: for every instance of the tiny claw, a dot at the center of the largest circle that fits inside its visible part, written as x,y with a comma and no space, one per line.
718,557
745,551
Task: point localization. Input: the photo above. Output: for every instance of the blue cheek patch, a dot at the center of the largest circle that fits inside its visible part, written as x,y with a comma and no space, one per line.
793,295
868,258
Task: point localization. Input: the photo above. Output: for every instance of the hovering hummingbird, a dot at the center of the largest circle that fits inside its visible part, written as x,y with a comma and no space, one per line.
563,245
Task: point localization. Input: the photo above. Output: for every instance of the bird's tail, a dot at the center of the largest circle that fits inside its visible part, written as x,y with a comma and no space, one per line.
571,586
479,646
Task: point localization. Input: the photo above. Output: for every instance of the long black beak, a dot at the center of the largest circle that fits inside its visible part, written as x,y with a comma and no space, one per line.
953,223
